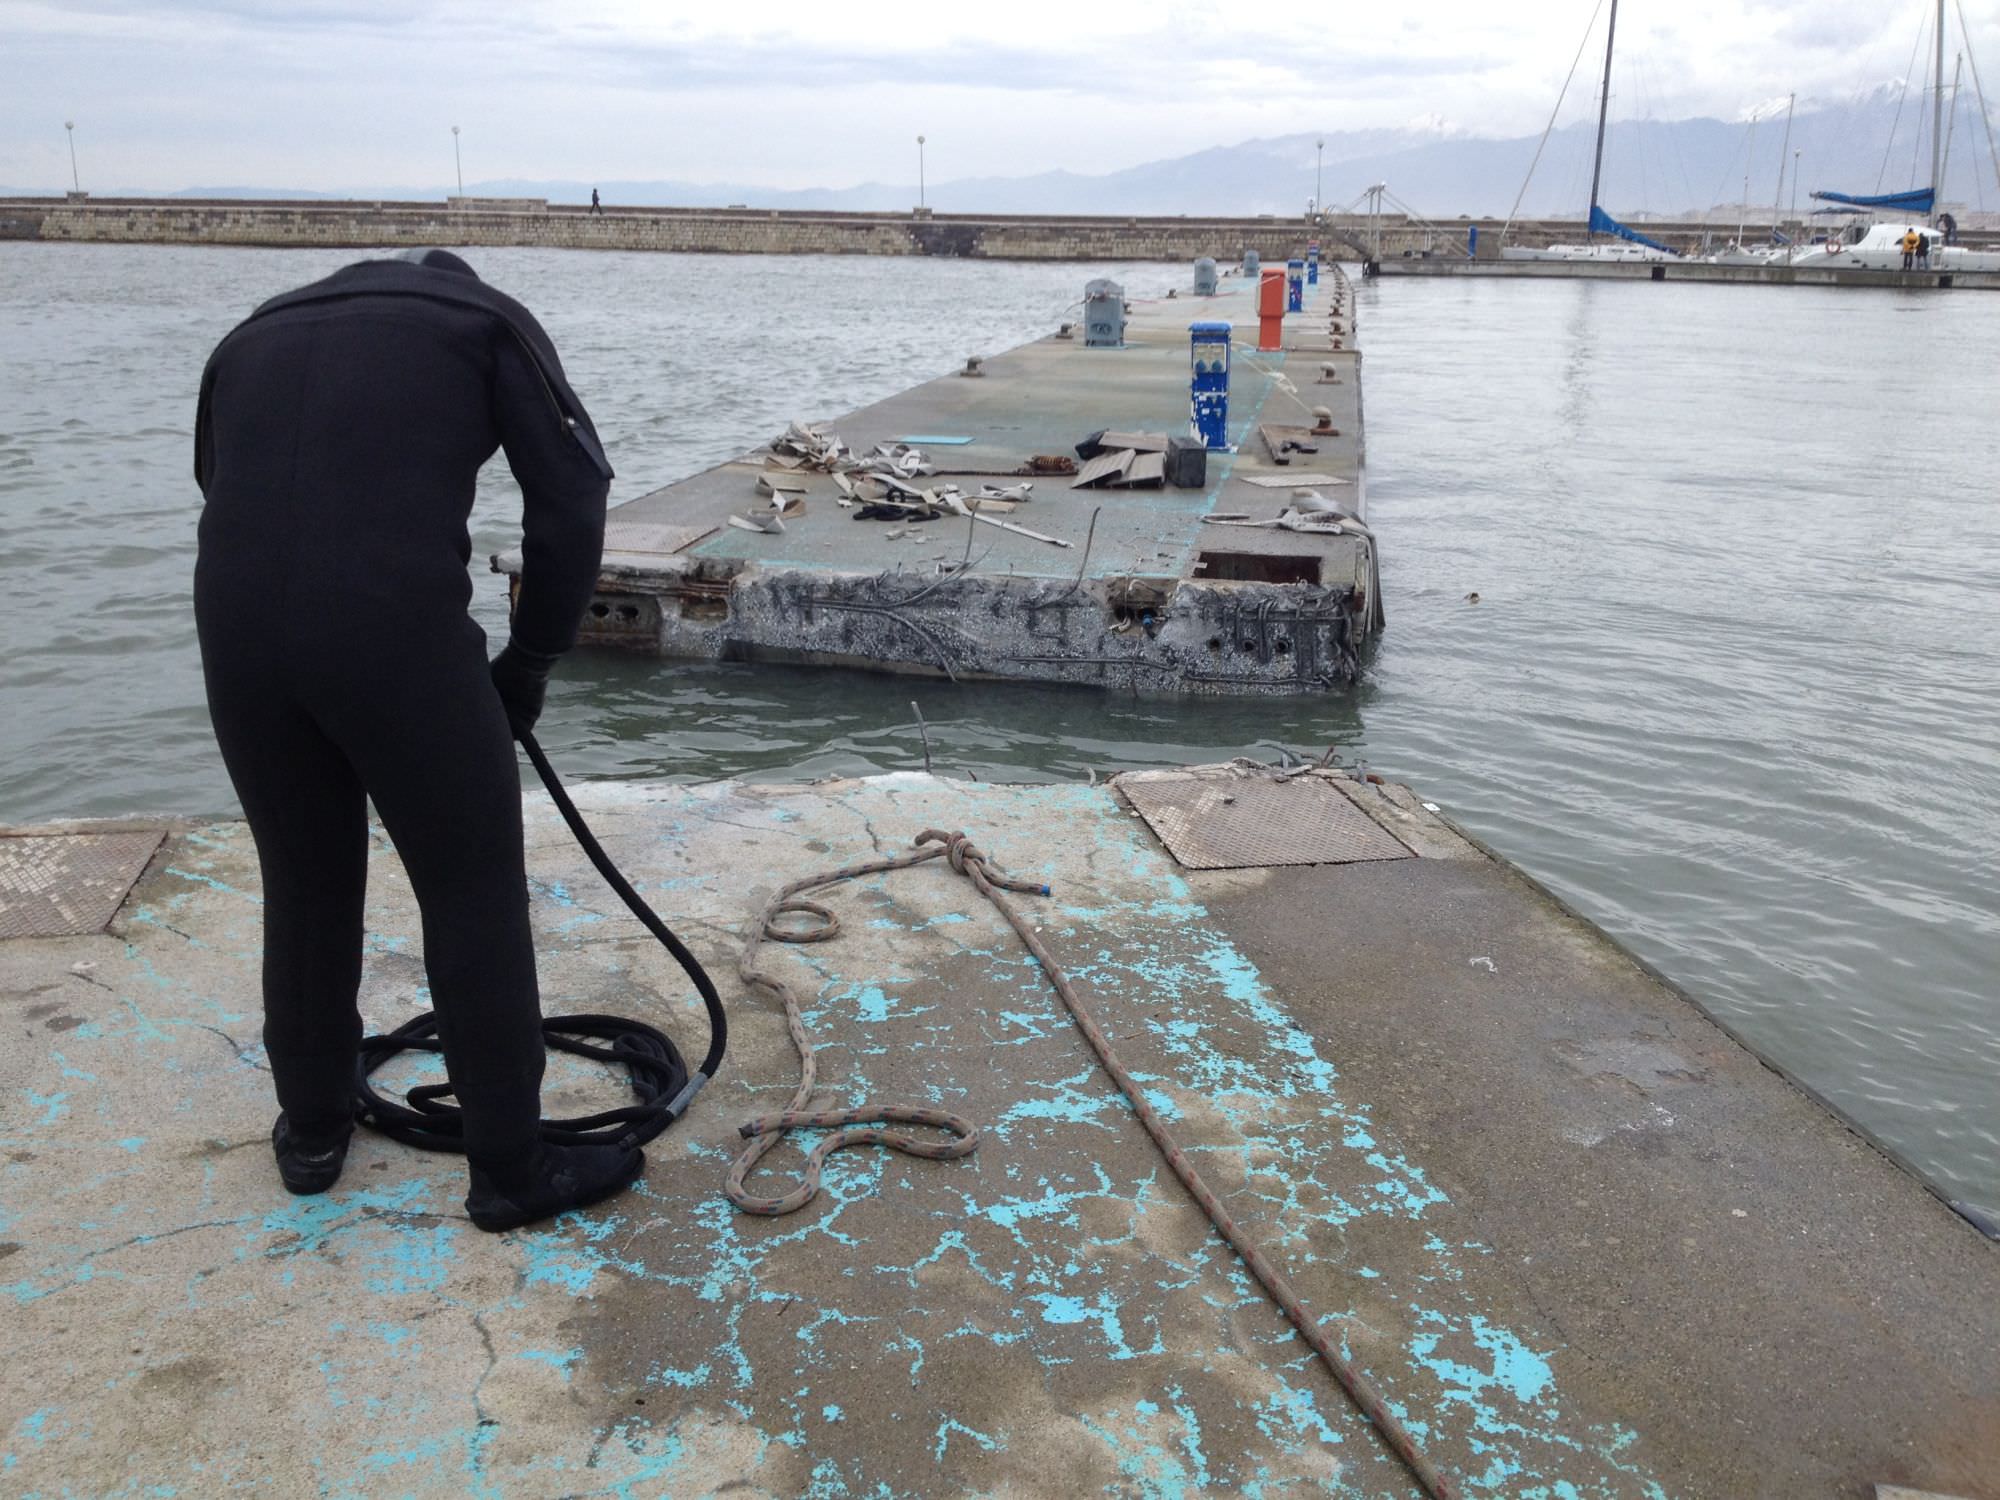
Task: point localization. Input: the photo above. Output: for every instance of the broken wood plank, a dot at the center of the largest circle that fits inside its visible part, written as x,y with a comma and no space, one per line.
1106,468
1289,481
1141,442
1147,470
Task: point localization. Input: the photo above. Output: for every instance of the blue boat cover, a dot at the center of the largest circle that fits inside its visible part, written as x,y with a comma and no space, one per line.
1602,223
1915,201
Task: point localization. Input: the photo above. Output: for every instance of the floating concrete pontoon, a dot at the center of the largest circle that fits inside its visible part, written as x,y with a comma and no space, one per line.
1583,1242
1139,588
1803,272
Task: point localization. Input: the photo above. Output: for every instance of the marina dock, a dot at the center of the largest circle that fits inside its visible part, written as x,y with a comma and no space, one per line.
1584,1243
1199,587
1801,273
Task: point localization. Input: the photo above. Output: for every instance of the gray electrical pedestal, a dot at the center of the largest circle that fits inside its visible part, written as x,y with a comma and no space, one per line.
1104,314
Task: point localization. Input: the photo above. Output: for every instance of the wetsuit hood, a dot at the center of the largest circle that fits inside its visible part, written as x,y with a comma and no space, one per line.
439,276
439,260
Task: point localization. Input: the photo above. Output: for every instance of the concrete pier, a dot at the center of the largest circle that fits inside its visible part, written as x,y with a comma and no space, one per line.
1585,1244
1802,273
83,218
1129,588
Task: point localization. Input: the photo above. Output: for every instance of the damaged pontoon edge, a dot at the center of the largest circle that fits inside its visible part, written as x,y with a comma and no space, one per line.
944,531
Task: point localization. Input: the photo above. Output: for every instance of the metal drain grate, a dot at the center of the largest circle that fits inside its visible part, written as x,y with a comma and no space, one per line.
1241,822
629,542
67,884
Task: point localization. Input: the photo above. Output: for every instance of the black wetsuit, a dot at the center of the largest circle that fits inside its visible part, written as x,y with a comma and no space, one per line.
340,431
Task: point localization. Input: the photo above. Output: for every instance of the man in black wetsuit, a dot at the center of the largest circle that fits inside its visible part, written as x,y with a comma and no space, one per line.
338,437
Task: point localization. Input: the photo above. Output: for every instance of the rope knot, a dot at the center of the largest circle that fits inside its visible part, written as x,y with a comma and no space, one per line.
958,847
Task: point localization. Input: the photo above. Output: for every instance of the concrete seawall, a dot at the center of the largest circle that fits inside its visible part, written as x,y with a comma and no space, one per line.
368,224
363,225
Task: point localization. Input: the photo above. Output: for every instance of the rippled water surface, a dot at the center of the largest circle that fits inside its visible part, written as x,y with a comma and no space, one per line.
1731,685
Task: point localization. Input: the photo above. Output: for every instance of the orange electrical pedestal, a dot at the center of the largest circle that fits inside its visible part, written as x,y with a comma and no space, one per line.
1271,310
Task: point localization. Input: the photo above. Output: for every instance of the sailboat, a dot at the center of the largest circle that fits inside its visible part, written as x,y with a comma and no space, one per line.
1623,243
1739,252
1878,245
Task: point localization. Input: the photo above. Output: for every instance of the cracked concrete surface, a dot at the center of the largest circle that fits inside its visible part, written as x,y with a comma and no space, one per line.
1408,1135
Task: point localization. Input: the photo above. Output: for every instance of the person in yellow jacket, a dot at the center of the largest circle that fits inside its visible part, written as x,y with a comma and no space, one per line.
1910,239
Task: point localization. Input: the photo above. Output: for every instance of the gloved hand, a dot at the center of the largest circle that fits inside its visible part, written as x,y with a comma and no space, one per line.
521,677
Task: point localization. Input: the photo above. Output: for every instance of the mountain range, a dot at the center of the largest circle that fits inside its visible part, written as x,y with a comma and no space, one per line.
1667,169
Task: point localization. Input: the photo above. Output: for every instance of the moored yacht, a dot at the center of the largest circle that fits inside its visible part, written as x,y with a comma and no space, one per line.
1879,247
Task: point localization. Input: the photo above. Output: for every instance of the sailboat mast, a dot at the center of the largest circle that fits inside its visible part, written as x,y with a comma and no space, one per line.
1979,92
1937,119
1951,121
1743,208
1604,108
1784,160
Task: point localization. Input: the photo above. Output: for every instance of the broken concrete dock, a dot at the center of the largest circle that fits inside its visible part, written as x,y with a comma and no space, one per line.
1585,1244
1203,589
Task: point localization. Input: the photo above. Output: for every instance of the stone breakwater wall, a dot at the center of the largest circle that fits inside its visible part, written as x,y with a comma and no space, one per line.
745,231
717,231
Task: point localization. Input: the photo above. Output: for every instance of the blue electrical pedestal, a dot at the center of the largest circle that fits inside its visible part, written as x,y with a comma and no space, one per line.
1208,356
1312,262
1295,286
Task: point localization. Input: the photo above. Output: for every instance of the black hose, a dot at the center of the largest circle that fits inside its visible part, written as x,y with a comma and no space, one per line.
655,1068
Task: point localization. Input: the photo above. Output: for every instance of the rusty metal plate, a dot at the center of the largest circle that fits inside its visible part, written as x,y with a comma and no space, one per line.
67,884
1235,823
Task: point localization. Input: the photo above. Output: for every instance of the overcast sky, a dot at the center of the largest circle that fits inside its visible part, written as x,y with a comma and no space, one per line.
335,93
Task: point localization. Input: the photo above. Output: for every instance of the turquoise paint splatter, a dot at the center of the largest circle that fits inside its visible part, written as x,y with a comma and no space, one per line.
948,1426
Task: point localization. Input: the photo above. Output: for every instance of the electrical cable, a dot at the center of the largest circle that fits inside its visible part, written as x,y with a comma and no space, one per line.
658,1074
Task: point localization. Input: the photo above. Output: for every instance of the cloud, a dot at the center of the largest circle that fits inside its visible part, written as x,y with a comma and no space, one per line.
331,93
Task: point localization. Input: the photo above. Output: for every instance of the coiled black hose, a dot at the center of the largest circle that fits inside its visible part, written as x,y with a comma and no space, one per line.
661,1084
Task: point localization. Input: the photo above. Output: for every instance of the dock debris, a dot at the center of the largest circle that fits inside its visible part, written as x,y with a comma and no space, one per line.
899,459
1140,460
1305,511
1282,441
1289,481
804,445
811,445
1124,469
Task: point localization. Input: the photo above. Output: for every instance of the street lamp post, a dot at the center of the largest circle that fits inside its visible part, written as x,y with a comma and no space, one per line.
69,126
458,163
920,171
1319,158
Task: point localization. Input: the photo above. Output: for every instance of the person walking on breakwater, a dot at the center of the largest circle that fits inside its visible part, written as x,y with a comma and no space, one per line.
1909,249
338,436
595,206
